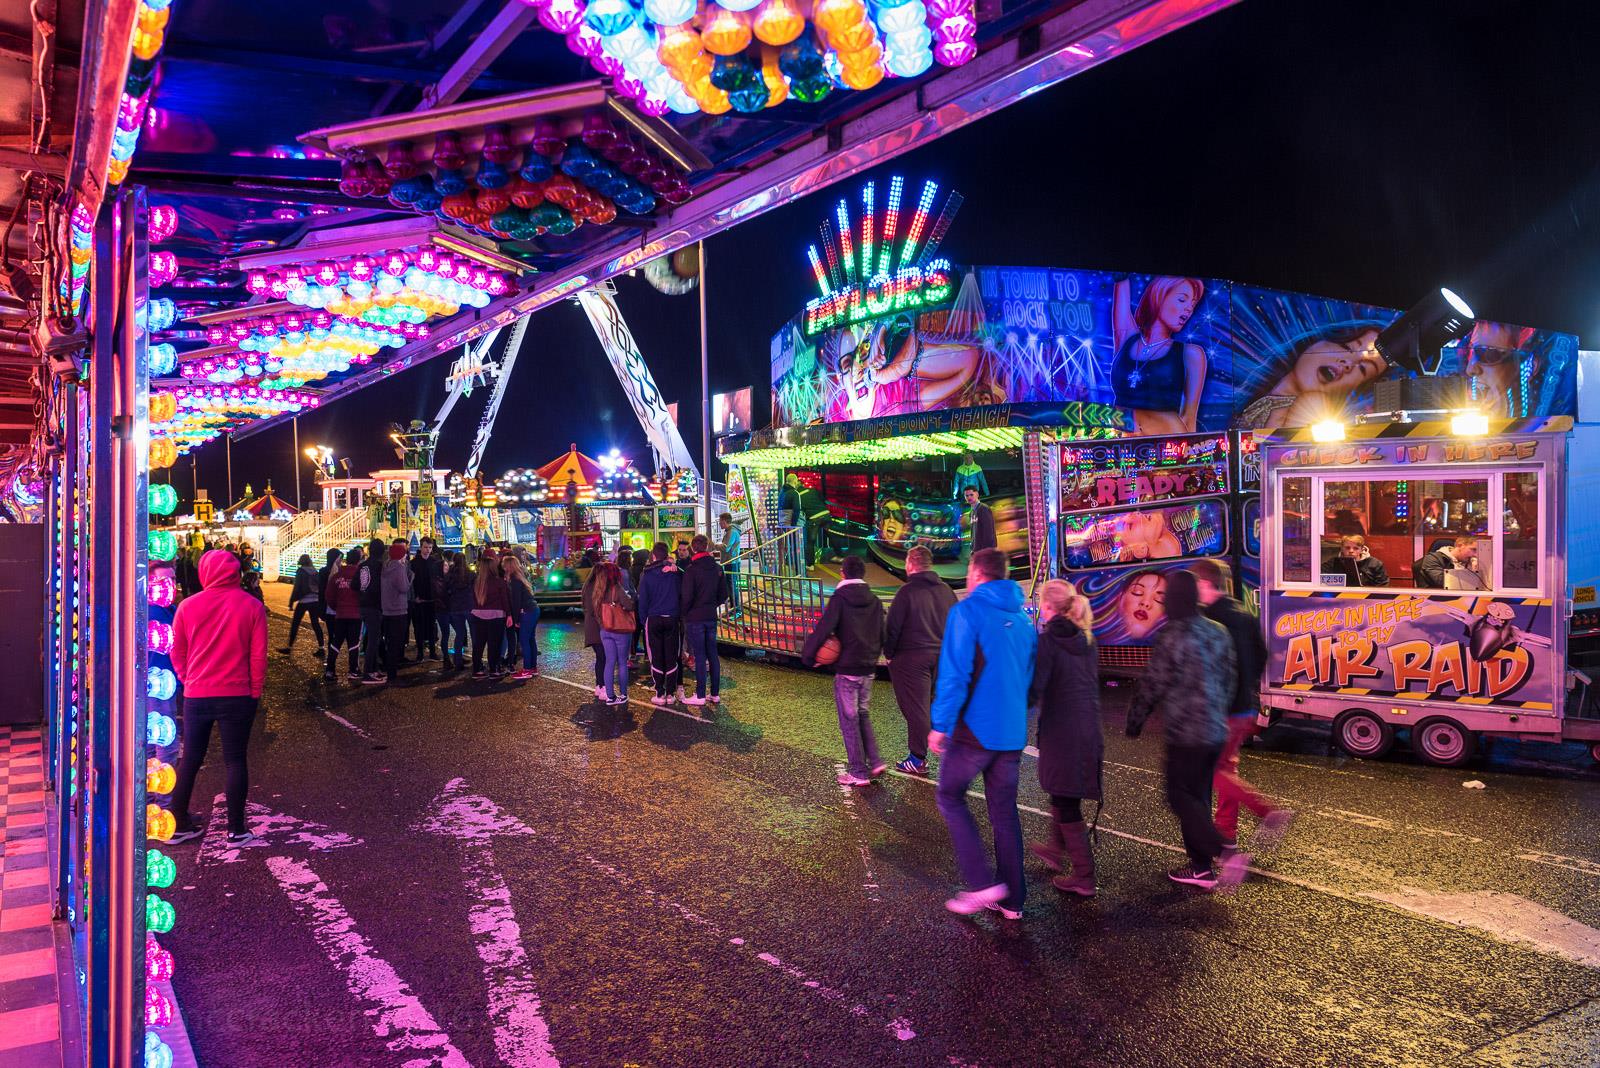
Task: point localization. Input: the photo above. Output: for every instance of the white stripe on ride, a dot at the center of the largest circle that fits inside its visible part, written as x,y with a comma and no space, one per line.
397,1017
521,1036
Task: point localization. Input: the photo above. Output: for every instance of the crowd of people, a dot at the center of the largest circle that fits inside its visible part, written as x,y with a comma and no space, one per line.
966,674
378,602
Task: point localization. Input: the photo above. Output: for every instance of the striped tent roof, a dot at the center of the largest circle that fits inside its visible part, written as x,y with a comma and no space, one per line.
573,467
261,507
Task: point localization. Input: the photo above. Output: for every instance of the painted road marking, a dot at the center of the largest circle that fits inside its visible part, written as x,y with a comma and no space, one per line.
870,885
521,1036
1505,917
397,1017
331,714
270,828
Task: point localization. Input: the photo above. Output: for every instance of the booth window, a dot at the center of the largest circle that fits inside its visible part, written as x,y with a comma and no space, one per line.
1295,510
1519,531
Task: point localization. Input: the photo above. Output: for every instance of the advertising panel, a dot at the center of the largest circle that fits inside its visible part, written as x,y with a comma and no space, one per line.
1129,603
1471,650
1181,354
1106,539
1113,473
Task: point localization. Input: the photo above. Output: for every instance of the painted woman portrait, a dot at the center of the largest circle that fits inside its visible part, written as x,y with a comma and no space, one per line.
1154,372
1492,360
887,367
1316,380
1143,604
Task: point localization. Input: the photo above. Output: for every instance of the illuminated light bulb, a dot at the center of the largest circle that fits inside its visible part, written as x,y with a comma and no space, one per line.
160,637
157,1054
163,498
163,267
955,53
163,222
159,870
157,962
163,453
669,12
160,685
561,16
727,33
777,22
162,545
163,589
159,776
907,64
157,1006
158,824
610,17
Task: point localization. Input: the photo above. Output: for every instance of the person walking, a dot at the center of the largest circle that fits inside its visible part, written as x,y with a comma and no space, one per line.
660,590
615,607
491,609
911,641
427,585
702,592
636,572
1212,579
458,604
854,616
1191,678
1066,691
525,610
219,651
981,519
980,725
343,596
306,600
396,604
369,588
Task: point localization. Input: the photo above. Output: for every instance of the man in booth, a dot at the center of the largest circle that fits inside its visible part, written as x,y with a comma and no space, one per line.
1429,572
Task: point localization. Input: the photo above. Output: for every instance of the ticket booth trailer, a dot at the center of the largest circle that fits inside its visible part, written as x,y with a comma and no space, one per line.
1414,579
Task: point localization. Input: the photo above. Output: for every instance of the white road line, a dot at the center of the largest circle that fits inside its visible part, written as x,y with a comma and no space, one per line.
521,1036
1556,860
870,885
271,828
397,1017
341,721
632,700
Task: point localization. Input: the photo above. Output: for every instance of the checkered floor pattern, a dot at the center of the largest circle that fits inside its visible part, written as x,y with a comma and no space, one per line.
30,1025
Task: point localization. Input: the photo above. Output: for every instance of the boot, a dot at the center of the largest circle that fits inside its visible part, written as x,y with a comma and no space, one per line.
1076,848
1050,852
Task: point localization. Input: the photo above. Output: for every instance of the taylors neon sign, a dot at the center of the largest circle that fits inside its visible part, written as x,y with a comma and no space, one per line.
910,288
868,268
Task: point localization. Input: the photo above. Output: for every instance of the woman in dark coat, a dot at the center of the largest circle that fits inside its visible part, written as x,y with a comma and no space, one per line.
1066,690
591,632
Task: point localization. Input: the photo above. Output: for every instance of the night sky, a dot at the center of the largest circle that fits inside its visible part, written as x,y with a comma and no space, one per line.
1365,150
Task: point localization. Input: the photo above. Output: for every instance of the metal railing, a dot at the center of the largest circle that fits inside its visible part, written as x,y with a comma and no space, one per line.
772,612
775,556
344,528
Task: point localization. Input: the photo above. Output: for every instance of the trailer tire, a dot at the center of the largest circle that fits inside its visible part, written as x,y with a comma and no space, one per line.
1443,742
1594,752
1362,734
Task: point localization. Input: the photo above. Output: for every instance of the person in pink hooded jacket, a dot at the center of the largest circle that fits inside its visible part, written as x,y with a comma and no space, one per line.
219,650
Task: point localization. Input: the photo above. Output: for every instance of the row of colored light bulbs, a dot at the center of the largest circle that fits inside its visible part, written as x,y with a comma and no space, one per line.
149,34
370,270
161,732
657,56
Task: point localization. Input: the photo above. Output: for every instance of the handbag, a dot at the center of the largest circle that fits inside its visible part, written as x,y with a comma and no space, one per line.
617,618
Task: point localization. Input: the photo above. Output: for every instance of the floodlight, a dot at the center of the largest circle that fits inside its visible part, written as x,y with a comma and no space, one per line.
1414,340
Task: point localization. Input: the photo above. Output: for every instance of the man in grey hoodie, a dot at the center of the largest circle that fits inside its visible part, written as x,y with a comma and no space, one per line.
396,604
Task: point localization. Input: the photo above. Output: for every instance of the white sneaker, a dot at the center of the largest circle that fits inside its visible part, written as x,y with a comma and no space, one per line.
969,902
715,699
657,700
845,778
1010,914
694,701
600,693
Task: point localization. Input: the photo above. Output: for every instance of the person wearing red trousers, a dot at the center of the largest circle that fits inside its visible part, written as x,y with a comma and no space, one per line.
1214,578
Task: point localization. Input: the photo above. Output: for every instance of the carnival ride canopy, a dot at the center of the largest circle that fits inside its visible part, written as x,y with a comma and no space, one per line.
267,506
573,467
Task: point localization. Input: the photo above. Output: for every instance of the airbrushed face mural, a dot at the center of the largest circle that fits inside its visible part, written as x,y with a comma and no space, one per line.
1182,354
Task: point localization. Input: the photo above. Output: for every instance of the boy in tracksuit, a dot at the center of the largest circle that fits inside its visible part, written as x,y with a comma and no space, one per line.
369,589
660,588
855,615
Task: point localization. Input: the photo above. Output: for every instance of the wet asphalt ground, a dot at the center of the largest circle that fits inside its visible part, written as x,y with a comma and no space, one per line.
466,872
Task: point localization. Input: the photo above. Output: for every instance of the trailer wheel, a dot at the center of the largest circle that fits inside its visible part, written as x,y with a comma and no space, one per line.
1594,751
1443,742
1361,734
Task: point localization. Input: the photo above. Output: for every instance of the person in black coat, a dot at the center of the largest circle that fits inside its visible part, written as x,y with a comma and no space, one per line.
911,644
1066,690
427,582
981,521
855,616
700,594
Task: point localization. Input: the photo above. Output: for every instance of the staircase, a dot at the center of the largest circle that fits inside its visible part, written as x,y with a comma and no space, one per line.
335,531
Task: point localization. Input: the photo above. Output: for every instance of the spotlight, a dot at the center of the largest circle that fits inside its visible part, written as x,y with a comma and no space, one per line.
1414,340
1469,424
1327,430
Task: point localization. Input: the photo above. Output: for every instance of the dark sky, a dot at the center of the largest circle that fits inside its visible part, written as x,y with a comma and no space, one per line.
1365,150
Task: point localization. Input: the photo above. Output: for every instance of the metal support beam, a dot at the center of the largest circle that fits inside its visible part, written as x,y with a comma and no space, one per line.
1075,41
505,27
342,70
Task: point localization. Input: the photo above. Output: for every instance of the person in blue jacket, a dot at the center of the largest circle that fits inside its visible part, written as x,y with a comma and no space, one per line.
980,726
969,474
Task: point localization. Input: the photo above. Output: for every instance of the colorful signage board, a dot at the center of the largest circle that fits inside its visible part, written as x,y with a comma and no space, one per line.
1112,473
1109,539
1182,355
1471,650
